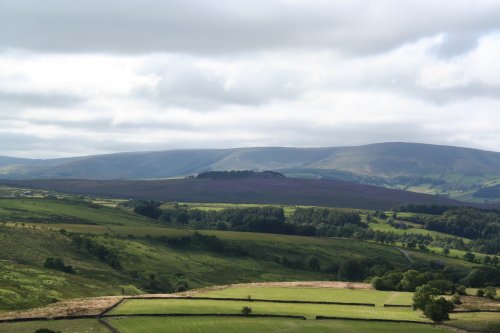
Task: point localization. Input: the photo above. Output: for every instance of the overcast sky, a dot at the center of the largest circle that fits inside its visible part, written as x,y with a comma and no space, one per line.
96,76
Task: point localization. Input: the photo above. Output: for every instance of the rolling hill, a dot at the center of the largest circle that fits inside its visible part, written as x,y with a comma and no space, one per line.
454,171
50,227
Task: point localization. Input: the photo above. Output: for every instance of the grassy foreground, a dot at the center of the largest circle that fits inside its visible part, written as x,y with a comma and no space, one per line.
176,306
64,326
261,325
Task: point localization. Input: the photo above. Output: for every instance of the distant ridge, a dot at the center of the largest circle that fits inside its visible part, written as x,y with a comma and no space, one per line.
445,170
381,159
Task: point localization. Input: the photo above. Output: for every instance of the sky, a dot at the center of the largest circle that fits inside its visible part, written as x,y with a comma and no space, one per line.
97,76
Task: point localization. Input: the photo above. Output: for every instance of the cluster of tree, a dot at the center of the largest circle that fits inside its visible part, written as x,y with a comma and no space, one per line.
410,240
490,246
426,298
488,292
447,280
149,209
58,264
265,219
467,222
206,242
238,174
411,280
482,226
482,276
347,270
378,213
318,216
93,247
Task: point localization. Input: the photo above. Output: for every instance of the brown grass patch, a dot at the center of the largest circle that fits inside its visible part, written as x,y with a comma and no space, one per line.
72,307
478,303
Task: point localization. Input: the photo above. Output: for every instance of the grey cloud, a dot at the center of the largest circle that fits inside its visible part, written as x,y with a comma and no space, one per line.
458,43
225,26
21,100
184,85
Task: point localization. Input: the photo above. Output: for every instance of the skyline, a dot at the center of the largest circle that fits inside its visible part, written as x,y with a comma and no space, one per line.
95,77
236,148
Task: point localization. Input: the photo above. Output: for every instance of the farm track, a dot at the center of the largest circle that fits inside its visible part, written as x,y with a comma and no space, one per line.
405,254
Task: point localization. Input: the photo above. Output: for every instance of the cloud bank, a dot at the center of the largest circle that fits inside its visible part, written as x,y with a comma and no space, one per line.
87,77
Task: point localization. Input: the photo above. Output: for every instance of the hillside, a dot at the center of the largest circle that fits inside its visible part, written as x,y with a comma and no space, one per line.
289,191
454,171
130,254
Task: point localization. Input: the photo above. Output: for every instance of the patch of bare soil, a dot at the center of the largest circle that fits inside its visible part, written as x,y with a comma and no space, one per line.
72,307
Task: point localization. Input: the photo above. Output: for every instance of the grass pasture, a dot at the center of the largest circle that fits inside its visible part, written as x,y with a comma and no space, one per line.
119,317
379,298
261,325
187,306
132,315
64,326
66,211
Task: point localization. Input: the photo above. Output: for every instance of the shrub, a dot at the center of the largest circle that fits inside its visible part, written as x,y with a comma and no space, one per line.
246,310
351,270
455,299
438,310
312,263
480,293
490,292
378,283
181,286
461,290
469,256
58,264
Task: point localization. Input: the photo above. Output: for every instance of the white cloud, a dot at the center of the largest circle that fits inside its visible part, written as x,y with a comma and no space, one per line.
291,73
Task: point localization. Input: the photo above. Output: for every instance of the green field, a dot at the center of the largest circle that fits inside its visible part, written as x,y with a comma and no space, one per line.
121,318
25,283
168,306
36,224
315,294
478,322
261,325
32,231
65,211
24,287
